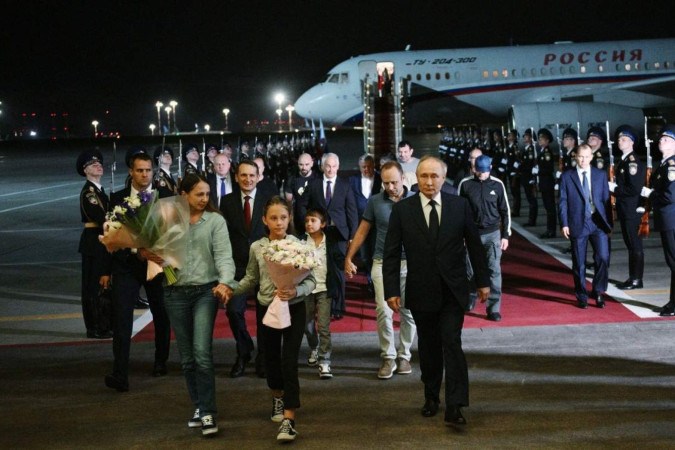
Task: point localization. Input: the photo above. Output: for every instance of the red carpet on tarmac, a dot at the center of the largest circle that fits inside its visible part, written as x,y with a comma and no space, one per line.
537,290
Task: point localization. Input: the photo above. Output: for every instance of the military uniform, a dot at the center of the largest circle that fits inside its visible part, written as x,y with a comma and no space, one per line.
528,179
601,154
163,181
95,258
547,162
513,166
662,198
190,169
499,158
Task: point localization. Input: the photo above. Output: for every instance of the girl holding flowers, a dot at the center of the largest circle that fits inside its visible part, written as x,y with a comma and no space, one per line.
282,346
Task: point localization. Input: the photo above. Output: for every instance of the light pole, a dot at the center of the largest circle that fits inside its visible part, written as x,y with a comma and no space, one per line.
168,118
152,129
290,109
279,112
95,124
226,111
173,104
158,105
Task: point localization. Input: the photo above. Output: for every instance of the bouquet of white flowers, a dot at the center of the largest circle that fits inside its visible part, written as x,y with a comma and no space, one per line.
145,221
288,263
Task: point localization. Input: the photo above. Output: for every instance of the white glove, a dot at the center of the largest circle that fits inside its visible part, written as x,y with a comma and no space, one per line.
535,170
612,186
556,187
504,160
646,192
558,173
640,210
516,165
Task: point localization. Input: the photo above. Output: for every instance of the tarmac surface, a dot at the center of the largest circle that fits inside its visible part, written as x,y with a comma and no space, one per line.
589,386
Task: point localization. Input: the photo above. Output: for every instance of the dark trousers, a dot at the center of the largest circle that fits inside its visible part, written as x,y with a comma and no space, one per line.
96,317
282,348
531,195
600,243
339,305
125,292
514,183
236,316
548,198
668,244
439,335
636,259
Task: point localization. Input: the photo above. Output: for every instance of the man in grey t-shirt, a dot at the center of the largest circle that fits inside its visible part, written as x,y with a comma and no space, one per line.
377,214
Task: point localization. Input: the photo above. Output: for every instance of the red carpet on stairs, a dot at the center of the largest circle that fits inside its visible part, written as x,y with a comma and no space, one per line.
537,290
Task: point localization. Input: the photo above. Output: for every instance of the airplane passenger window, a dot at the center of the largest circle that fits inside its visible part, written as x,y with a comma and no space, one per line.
525,72
600,68
534,72
573,69
418,76
438,76
552,70
563,70
583,69
666,65
495,74
514,73
543,71
456,75
428,76
637,66
505,73
657,65
447,75
486,74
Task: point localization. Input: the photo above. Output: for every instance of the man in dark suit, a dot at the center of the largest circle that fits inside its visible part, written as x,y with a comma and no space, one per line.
436,230
334,195
365,185
243,211
221,181
295,191
584,197
129,269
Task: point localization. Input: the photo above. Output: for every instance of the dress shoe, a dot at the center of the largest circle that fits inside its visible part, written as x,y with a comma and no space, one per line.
547,235
141,303
239,366
599,301
630,284
668,310
430,407
95,334
494,316
454,416
116,383
159,370
583,304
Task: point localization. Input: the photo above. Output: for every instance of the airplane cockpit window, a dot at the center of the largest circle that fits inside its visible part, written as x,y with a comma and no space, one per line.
344,78
333,78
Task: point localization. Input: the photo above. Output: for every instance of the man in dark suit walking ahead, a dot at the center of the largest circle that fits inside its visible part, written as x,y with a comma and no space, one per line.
584,196
334,195
436,230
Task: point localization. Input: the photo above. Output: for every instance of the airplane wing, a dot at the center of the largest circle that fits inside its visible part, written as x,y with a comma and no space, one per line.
662,86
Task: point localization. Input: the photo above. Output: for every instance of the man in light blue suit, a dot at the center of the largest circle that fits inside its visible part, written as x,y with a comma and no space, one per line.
584,200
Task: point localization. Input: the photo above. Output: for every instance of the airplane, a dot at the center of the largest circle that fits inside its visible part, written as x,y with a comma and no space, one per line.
530,86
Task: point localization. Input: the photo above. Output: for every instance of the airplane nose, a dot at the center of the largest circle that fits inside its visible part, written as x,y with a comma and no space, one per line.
302,104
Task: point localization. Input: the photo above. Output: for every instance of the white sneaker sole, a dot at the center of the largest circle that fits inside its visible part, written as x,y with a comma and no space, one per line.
286,437
277,419
209,431
195,424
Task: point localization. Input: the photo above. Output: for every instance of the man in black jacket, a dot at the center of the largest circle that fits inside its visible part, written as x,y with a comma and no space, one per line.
492,216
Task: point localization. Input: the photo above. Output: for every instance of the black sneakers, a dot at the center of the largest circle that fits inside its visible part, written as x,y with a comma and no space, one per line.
286,431
195,421
277,409
209,425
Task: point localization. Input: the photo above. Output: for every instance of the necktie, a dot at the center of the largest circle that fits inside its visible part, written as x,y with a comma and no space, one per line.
247,212
433,221
223,188
329,194
587,195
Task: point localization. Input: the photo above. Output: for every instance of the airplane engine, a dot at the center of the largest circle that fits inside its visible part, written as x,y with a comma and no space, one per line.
569,114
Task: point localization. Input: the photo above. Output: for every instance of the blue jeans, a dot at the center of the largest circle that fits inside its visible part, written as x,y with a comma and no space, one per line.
192,311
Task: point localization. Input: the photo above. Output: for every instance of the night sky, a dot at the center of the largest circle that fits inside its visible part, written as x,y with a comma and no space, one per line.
89,57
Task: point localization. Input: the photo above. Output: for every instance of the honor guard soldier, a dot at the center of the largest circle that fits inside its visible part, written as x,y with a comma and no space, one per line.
630,179
570,142
95,258
163,180
211,152
244,152
662,198
596,139
547,161
131,152
500,161
191,157
528,177
513,165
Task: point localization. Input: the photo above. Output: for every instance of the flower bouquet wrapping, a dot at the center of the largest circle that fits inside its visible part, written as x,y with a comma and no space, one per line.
145,221
288,263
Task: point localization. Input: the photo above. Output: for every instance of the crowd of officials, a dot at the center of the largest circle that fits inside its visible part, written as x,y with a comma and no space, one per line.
455,207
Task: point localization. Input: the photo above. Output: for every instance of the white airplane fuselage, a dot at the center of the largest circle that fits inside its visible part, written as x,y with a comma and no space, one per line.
635,74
